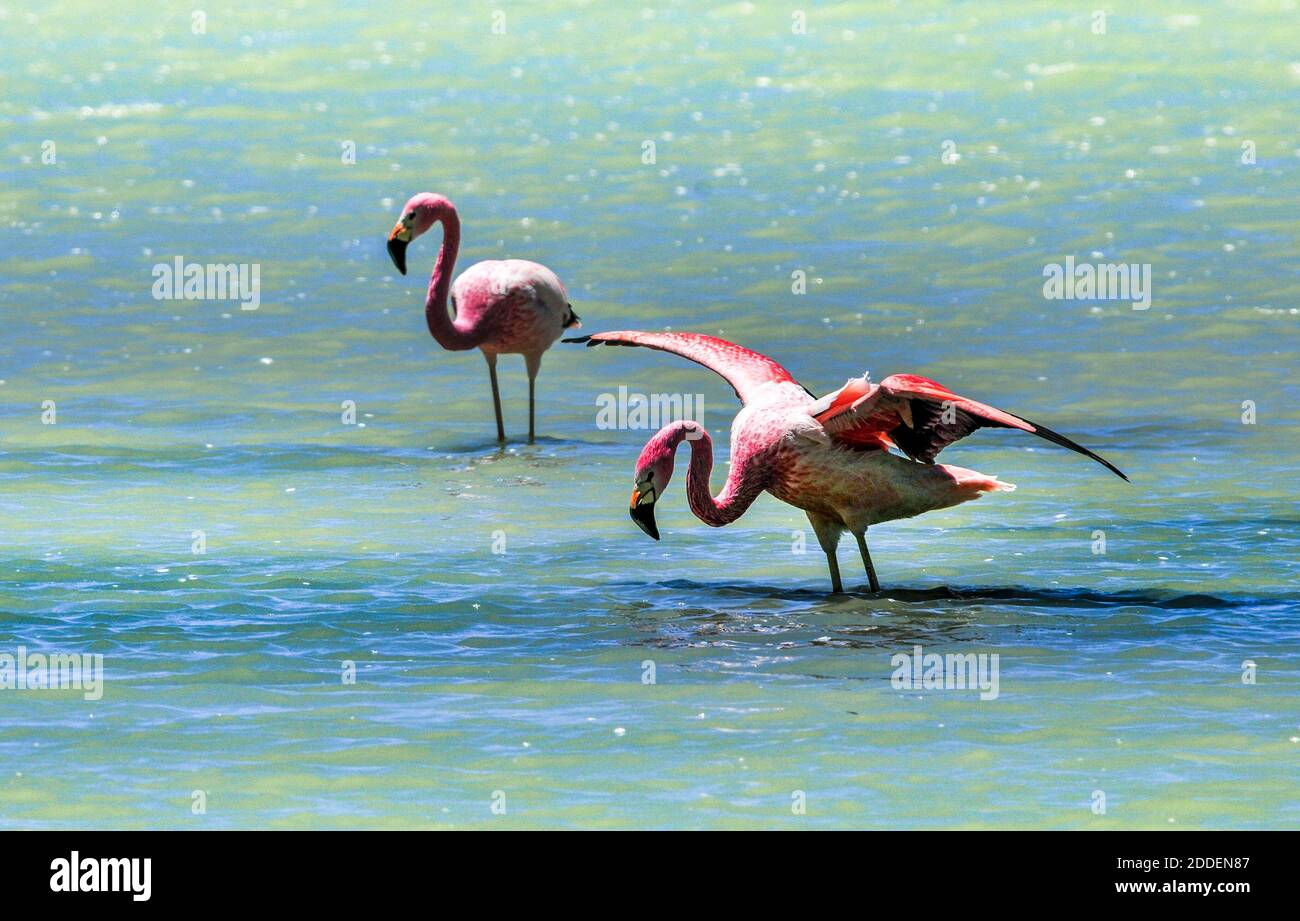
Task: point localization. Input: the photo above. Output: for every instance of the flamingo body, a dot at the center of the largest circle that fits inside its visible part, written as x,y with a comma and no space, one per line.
515,307
855,489
501,307
829,457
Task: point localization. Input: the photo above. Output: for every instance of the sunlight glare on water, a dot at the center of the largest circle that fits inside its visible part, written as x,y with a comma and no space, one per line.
500,609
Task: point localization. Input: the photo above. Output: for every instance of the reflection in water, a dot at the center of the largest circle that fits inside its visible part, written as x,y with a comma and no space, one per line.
498,606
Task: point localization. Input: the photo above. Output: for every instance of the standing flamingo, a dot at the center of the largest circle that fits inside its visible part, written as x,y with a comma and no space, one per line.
828,457
503,307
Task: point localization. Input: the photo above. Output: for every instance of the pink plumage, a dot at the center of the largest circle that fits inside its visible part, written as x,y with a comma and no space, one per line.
501,307
828,456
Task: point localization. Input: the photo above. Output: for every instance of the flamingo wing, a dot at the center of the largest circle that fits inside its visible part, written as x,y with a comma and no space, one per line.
920,416
744,370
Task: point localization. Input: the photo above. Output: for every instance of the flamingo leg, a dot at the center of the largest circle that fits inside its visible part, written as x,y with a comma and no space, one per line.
496,395
837,587
866,561
828,533
534,364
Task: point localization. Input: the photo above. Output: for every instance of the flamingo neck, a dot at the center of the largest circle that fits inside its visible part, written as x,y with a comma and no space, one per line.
738,493
441,327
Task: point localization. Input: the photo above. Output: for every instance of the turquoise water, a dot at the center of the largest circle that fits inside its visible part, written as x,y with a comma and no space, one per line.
499,606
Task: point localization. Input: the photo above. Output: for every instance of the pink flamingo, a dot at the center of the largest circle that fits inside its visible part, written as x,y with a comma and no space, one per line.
828,457
502,307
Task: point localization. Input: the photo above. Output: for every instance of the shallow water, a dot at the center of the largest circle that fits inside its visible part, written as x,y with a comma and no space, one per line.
499,607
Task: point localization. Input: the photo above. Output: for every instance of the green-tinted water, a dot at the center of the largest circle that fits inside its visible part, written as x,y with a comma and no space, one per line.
500,608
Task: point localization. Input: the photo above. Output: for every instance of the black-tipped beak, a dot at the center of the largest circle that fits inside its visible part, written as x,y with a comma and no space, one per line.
643,513
644,516
397,249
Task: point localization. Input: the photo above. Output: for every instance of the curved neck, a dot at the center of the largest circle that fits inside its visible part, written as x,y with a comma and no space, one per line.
739,492
441,327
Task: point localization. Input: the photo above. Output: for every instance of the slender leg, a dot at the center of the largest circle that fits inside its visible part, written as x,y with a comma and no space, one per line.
496,395
828,533
837,587
534,364
866,561
532,403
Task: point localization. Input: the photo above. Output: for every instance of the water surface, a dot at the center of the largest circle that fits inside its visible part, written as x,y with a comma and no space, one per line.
500,609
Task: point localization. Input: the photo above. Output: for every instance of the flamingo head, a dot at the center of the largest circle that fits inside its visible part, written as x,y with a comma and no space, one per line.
420,213
654,468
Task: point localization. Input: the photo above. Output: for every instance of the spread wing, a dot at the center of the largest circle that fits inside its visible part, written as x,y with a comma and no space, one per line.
920,416
744,370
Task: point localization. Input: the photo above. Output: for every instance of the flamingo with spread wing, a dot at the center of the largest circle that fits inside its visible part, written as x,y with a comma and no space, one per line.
830,457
